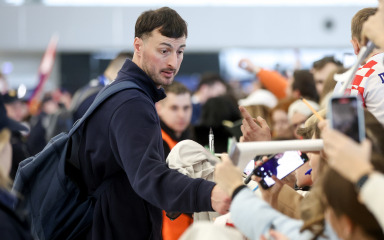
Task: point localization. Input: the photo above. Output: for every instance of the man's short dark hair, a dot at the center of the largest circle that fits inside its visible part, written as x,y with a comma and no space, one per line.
168,21
210,79
320,64
304,82
177,88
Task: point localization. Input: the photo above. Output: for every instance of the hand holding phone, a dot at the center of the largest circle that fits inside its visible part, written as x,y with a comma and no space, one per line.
279,165
346,114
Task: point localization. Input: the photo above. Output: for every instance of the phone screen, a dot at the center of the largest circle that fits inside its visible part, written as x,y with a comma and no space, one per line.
280,165
345,117
249,168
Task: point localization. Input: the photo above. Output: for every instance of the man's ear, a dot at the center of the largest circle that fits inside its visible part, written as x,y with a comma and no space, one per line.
137,45
355,45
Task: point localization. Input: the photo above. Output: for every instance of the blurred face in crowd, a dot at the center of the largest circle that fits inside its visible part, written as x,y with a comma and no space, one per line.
17,110
297,120
159,56
50,107
176,111
215,90
281,128
321,75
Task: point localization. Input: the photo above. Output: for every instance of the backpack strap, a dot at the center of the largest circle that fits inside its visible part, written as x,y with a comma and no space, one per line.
105,93
101,97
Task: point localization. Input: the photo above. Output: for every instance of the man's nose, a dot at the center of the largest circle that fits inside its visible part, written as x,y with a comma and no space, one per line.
172,60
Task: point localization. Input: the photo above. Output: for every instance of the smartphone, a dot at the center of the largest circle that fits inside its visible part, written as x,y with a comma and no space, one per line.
280,165
346,114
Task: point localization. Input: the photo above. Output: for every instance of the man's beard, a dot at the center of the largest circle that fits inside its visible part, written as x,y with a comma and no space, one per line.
157,78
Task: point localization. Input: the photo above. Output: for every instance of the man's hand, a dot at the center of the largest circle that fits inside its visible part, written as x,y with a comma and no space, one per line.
227,175
254,129
220,200
228,178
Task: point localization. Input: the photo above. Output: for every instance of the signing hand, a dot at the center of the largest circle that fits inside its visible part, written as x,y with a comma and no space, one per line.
227,175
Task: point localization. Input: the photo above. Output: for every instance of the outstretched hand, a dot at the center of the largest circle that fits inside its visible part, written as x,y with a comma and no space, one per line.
254,129
228,177
220,200
246,64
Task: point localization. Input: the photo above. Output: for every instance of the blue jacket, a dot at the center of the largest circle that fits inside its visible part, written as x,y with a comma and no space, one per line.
123,136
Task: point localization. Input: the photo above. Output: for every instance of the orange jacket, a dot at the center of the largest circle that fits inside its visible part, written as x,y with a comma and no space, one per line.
173,229
274,82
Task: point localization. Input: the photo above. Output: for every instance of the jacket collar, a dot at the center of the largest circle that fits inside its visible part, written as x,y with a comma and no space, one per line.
131,72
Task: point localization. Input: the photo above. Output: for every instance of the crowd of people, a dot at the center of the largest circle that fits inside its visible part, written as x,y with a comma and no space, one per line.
335,194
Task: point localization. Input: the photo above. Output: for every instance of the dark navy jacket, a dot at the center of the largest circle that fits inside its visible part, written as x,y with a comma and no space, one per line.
123,135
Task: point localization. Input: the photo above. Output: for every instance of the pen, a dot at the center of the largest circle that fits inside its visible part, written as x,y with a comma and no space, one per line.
308,172
211,141
312,109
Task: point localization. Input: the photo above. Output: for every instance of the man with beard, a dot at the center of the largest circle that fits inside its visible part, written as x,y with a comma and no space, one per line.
122,142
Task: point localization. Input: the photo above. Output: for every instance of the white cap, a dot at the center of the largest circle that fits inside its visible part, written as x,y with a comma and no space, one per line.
259,97
300,107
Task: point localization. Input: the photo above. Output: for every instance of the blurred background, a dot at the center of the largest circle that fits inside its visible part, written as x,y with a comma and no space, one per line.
280,35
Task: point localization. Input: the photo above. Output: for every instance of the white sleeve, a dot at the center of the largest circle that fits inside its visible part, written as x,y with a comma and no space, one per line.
372,195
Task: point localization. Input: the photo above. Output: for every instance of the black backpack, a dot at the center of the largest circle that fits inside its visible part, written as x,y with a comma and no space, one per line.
51,186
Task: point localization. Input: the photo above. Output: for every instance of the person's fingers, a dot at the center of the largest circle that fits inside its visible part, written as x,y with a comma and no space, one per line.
323,124
367,146
262,237
225,158
256,178
262,122
276,235
245,114
278,182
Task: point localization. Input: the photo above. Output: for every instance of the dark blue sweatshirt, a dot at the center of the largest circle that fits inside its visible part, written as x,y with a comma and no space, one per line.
123,136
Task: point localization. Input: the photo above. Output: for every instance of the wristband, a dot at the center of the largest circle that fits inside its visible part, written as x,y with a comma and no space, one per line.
237,190
359,184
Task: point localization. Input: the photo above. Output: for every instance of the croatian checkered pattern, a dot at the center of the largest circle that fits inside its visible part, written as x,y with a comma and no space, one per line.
362,75
369,84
